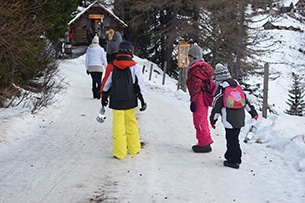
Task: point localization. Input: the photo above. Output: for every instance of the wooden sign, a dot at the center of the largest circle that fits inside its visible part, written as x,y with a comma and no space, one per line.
96,16
183,49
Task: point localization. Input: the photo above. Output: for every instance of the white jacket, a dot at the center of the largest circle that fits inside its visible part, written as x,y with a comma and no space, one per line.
95,58
135,72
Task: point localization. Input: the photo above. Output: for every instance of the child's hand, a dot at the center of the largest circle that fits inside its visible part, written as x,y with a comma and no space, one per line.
104,100
143,106
193,107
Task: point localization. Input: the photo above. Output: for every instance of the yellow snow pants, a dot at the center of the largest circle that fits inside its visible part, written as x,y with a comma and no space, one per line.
125,133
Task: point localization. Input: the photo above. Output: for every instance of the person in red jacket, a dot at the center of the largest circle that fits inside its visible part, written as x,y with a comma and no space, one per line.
70,35
199,108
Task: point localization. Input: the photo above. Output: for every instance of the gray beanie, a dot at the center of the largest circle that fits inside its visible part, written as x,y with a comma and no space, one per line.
221,73
195,51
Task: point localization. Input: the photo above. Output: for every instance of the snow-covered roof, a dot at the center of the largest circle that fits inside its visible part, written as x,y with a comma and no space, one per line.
107,11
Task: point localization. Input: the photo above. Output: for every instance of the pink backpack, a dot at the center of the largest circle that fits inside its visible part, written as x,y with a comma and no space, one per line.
234,97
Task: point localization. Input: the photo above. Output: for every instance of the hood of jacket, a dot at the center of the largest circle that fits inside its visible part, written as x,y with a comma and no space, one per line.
201,67
195,61
229,82
123,61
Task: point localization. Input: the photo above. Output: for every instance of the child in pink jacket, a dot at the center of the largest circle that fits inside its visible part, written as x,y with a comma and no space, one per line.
196,87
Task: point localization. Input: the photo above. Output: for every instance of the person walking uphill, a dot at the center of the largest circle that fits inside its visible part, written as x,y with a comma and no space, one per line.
113,45
95,64
233,118
123,82
196,86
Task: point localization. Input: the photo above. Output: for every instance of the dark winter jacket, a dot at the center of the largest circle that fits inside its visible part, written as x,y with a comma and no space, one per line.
231,118
113,46
90,35
194,84
123,61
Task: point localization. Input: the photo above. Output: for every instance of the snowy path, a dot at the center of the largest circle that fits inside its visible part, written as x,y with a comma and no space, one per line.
64,155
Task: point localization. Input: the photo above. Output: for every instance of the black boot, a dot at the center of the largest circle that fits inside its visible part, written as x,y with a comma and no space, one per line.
97,93
202,149
231,164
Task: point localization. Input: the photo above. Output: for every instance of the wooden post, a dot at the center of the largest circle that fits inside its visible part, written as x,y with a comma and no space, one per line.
150,72
265,94
183,78
164,72
179,79
143,69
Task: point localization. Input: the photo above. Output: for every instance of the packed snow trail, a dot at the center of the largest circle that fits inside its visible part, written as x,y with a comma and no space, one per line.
64,155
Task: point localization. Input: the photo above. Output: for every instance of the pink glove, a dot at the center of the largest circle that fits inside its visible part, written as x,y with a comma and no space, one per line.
255,117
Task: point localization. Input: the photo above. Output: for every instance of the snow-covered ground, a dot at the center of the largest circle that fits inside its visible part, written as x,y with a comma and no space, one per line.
61,154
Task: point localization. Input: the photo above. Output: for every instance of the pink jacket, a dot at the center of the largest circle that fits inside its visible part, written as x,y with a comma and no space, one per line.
195,84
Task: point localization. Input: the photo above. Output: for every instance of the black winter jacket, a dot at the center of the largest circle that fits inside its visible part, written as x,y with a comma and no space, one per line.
231,118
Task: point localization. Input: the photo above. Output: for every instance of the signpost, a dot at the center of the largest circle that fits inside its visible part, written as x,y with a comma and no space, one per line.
183,62
265,96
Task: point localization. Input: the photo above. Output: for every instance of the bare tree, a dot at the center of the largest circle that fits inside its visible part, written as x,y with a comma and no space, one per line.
26,57
19,41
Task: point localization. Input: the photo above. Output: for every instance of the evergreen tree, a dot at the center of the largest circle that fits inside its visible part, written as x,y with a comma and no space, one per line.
221,30
296,95
56,15
157,27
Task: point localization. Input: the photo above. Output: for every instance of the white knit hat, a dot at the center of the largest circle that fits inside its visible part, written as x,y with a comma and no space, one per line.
95,40
221,73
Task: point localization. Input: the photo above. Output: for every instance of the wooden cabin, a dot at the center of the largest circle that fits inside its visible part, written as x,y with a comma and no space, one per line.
269,26
300,7
97,18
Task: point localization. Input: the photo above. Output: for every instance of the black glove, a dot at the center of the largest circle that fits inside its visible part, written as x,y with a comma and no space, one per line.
143,106
87,72
193,107
104,98
213,122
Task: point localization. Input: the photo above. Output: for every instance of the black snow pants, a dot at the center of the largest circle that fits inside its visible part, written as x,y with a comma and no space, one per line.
233,153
